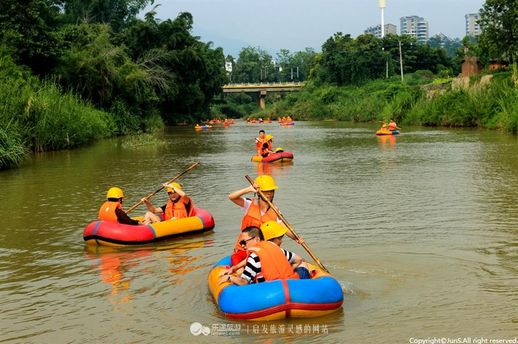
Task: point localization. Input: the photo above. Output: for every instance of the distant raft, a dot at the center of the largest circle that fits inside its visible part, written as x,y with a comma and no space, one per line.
281,156
279,299
109,233
202,127
387,132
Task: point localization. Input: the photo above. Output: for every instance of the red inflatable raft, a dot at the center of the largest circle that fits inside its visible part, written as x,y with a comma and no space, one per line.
108,233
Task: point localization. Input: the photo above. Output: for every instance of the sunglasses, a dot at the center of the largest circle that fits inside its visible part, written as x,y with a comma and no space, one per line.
243,242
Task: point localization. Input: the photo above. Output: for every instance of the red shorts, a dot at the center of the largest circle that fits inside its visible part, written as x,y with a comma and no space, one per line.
237,257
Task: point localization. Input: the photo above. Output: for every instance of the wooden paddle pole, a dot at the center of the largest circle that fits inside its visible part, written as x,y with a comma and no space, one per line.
168,182
290,228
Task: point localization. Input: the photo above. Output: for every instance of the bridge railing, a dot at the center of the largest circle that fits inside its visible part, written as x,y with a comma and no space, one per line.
266,84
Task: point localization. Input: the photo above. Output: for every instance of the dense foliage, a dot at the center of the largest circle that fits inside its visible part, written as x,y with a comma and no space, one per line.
73,71
499,22
96,56
255,65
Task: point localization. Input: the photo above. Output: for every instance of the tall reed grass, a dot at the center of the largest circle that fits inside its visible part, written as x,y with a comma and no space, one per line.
39,116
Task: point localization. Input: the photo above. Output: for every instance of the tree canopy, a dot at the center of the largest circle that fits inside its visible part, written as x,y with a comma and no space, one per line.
100,50
499,22
348,61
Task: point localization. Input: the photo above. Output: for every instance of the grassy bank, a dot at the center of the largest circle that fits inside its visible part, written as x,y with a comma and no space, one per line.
39,116
420,100
493,105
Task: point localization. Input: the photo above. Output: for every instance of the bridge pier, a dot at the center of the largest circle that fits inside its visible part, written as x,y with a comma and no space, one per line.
262,99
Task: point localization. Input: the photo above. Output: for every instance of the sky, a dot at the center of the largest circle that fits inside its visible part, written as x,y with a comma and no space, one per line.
298,24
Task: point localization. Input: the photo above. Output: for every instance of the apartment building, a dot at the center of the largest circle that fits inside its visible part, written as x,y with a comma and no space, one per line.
415,26
472,27
376,30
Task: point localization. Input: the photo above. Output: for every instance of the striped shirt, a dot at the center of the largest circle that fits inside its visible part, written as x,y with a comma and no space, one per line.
253,266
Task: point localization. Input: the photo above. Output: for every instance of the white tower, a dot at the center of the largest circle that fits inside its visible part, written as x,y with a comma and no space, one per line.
382,4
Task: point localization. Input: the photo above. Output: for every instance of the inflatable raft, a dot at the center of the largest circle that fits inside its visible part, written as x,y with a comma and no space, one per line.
108,233
387,132
274,157
279,299
202,127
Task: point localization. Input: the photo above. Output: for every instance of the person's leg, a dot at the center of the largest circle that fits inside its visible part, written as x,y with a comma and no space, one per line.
151,218
303,272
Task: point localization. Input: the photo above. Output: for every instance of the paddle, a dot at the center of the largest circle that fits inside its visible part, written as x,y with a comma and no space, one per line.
292,231
169,182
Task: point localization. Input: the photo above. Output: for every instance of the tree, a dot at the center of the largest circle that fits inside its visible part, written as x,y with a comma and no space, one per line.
348,61
446,43
27,28
113,12
254,65
195,69
296,66
91,65
499,22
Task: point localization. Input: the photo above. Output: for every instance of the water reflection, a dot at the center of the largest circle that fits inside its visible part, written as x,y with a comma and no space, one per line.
274,169
113,268
118,267
386,141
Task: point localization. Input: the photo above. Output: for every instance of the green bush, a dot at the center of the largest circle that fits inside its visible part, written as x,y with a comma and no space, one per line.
12,150
39,116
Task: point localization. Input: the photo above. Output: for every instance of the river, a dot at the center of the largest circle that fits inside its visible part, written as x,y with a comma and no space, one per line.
421,230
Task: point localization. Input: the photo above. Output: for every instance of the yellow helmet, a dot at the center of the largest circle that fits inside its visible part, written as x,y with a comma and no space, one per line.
266,183
272,229
268,137
175,185
114,193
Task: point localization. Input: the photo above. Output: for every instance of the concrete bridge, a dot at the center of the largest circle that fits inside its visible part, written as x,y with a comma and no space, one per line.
263,88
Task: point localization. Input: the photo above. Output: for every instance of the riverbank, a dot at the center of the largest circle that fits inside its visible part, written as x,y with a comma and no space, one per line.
420,100
39,116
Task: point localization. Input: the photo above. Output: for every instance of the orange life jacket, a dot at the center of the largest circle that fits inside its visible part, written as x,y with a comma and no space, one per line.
254,218
392,126
274,265
178,210
107,211
259,142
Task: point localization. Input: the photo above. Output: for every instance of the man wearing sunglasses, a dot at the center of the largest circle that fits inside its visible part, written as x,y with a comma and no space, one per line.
267,261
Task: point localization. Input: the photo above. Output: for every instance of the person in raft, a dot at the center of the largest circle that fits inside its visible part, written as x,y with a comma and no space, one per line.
259,141
178,206
256,212
111,210
392,125
265,150
267,261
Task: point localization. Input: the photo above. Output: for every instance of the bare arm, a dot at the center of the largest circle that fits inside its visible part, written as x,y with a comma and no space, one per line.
297,260
151,207
236,195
